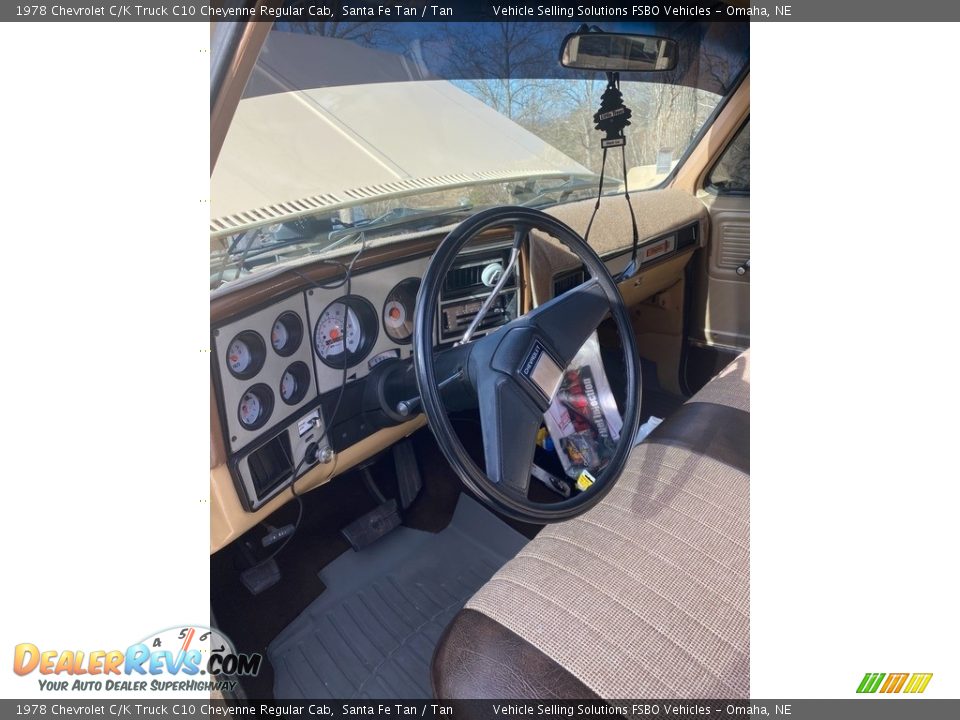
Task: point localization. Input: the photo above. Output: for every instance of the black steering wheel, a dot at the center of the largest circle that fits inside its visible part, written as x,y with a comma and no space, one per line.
515,370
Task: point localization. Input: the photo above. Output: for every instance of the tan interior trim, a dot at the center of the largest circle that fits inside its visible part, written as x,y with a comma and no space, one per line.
692,173
650,281
228,519
656,312
523,271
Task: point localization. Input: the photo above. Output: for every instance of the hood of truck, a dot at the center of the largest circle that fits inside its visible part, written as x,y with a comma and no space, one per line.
292,152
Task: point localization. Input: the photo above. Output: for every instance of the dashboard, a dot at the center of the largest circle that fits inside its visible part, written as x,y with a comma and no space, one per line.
337,355
296,351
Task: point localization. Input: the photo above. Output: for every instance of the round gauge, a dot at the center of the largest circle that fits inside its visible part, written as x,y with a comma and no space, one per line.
398,310
255,407
345,332
286,334
338,331
245,355
294,383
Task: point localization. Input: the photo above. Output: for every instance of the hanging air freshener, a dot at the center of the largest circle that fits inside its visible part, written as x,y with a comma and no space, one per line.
613,116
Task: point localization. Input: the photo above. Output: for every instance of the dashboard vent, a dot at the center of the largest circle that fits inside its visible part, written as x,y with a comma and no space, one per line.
567,281
463,278
734,245
466,277
687,236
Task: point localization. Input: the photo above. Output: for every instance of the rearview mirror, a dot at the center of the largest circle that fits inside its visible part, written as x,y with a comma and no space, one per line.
616,52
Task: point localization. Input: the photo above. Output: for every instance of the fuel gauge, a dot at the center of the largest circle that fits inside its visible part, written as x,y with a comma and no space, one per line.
286,334
255,407
245,355
397,313
295,383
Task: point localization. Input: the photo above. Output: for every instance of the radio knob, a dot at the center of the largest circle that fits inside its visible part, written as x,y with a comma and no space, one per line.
491,274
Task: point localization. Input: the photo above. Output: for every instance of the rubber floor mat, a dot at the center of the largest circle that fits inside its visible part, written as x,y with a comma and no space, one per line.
372,633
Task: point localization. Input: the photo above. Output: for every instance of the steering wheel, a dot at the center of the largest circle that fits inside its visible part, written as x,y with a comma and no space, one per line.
516,370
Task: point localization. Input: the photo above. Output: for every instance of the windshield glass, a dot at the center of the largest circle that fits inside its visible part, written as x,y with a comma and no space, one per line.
376,131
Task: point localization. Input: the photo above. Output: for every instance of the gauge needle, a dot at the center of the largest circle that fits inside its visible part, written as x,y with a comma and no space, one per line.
186,641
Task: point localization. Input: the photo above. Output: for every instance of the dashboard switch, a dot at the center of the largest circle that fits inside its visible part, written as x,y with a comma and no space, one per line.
315,453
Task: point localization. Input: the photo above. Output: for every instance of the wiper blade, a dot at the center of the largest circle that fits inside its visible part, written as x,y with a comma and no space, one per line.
270,247
245,248
397,217
565,189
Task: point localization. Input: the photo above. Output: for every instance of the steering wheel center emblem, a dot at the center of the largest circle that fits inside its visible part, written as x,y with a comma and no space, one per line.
541,370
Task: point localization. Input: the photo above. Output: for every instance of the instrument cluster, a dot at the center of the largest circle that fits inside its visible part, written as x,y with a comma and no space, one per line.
300,356
246,355
283,358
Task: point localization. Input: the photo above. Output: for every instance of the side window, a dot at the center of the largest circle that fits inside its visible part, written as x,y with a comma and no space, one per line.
731,174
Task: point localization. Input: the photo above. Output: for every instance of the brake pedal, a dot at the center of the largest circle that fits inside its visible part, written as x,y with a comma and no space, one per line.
369,528
409,481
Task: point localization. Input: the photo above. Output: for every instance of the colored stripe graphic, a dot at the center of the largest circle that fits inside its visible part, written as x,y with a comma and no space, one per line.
870,682
894,682
918,683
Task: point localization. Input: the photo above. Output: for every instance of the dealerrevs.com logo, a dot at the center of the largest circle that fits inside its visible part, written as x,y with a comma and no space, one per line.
179,659
910,683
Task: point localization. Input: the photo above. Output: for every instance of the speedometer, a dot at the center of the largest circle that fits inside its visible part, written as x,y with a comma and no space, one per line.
338,331
397,313
345,332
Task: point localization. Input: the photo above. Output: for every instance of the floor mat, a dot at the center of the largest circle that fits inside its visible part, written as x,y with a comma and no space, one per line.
371,634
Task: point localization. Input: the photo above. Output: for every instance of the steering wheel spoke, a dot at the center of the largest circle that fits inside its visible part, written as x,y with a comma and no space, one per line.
510,422
570,319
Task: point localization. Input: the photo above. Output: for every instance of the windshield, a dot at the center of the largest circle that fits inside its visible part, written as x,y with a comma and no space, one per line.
376,131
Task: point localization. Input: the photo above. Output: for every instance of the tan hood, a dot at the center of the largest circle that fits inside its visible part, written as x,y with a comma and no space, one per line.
296,152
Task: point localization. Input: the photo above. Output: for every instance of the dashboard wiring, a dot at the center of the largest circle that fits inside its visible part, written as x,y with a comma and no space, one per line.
345,282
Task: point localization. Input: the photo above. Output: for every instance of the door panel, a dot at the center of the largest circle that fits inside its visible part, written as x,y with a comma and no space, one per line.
719,326
726,315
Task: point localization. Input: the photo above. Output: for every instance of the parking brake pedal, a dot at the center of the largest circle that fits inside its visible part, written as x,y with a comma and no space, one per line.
408,474
374,525
261,576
